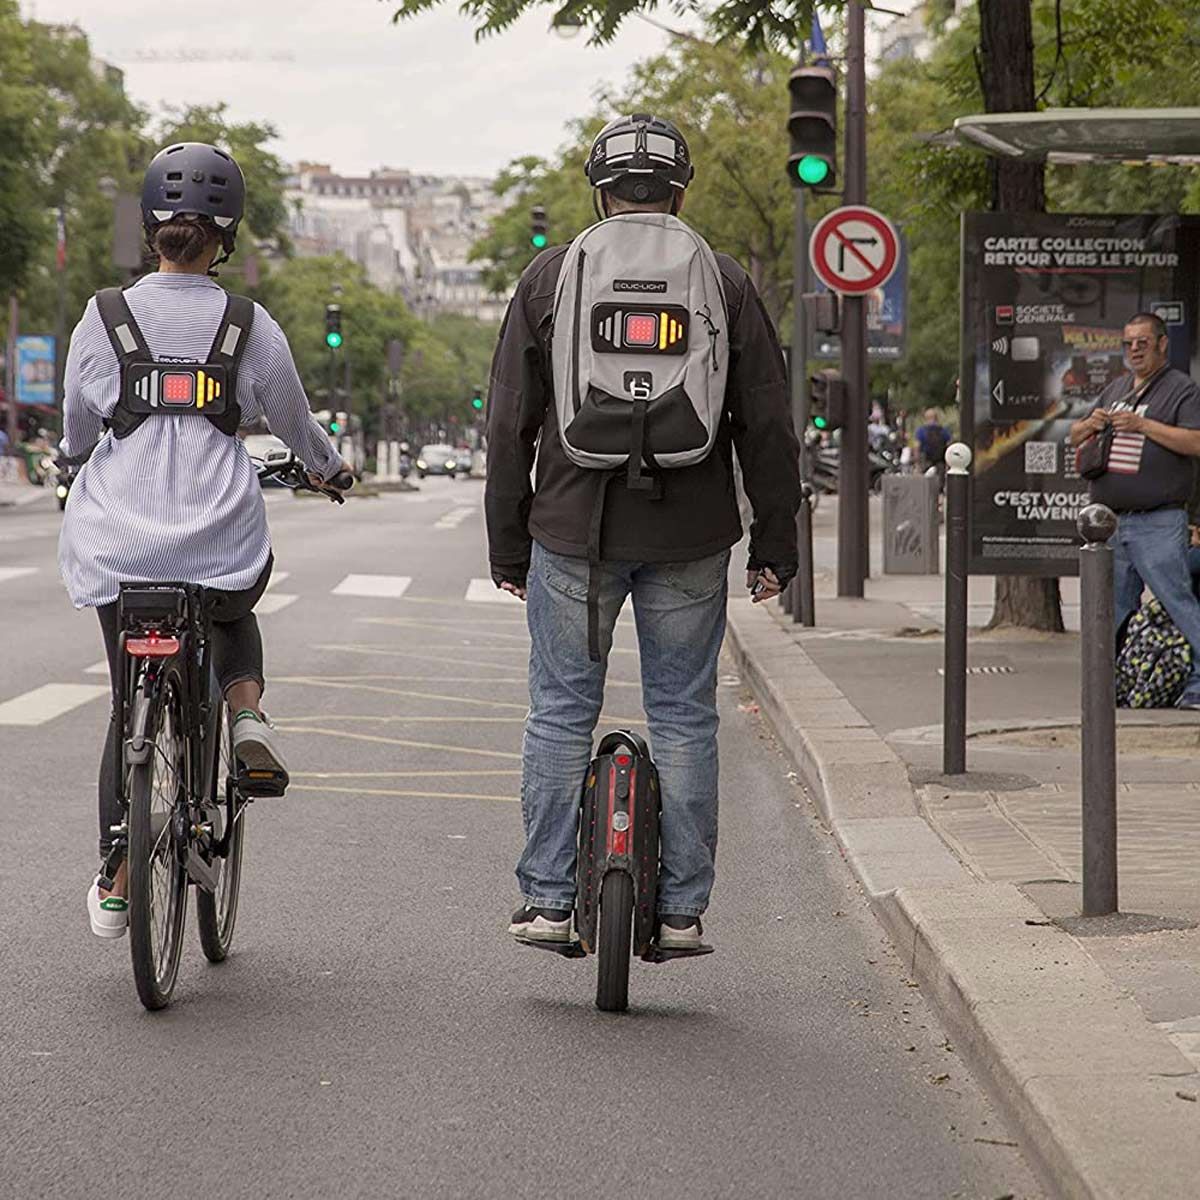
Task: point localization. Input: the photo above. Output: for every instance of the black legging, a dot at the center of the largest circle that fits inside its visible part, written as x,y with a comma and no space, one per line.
237,657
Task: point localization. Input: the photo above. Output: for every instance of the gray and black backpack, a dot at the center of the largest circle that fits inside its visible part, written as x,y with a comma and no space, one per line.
640,346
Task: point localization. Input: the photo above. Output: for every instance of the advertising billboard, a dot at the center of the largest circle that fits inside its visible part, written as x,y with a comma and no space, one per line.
1045,297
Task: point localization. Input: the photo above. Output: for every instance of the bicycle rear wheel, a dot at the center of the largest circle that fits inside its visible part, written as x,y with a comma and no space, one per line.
216,911
612,950
157,877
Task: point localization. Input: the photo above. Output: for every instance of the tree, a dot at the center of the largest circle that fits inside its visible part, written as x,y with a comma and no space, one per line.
23,145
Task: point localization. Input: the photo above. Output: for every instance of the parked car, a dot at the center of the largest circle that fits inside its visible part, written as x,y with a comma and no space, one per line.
440,459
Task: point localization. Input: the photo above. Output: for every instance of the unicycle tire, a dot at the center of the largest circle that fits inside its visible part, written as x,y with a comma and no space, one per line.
613,942
158,882
216,912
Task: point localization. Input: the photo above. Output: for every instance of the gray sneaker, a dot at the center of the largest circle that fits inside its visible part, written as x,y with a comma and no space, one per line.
256,750
679,932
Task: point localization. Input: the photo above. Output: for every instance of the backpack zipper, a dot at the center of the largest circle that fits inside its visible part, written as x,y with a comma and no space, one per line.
575,328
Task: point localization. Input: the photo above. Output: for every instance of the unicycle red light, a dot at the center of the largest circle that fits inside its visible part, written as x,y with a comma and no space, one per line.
622,760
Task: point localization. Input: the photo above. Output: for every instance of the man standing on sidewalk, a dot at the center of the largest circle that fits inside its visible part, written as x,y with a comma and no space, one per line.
1154,416
584,539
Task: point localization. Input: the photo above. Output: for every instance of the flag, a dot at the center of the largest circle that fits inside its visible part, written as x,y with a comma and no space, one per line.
61,249
817,40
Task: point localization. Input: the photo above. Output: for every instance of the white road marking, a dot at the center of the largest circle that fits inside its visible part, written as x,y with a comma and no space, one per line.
453,519
47,702
484,591
277,577
390,586
15,572
272,602
97,668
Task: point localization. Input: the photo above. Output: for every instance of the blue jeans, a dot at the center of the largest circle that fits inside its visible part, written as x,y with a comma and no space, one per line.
1151,549
680,613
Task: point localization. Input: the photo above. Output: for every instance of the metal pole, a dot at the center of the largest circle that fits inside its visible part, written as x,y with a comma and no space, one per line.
60,319
954,671
805,610
10,373
1098,711
853,528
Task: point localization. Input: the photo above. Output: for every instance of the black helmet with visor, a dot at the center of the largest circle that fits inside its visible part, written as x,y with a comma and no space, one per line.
641,158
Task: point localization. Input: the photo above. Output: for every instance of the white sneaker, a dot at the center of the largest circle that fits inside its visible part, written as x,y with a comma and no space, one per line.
254,746
534,925
109,916
679,936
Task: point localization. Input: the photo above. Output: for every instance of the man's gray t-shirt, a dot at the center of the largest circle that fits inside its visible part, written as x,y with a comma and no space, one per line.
1141,474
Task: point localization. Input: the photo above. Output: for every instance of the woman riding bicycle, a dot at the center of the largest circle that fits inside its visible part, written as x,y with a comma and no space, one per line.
172,496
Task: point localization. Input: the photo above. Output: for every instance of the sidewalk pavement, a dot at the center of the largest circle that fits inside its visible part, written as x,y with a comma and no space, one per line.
1087,1034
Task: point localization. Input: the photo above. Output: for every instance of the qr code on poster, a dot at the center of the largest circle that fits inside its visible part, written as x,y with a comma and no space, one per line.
1041,458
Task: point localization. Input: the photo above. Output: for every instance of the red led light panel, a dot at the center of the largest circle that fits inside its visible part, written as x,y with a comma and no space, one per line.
641,329
178,389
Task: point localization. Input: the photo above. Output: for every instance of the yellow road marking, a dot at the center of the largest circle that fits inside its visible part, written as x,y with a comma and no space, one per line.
371,687
446,626
452,719
515,679
415,795
374,737
386,652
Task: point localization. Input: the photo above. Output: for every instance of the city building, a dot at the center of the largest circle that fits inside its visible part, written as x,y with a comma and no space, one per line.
412,233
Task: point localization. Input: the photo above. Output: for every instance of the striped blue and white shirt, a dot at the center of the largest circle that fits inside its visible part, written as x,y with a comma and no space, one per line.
177,499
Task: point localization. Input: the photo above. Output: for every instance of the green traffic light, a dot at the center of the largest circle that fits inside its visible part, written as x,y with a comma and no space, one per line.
334,427
333,339
477,403
820,422
812,170
539,241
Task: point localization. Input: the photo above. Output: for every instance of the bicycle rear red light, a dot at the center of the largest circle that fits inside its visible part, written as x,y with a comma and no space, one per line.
152,646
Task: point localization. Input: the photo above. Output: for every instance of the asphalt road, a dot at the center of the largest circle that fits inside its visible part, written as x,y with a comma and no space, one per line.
375,1033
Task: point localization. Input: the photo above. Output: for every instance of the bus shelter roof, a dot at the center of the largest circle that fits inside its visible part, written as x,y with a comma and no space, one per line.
1086,135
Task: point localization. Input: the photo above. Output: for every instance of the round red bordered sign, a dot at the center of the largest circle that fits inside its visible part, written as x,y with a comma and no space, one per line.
854,250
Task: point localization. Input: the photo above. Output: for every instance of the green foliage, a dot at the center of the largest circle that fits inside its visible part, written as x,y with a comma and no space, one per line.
443,359
24,142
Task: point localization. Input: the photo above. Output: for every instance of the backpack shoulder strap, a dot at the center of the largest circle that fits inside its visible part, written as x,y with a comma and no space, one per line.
233,332
127,341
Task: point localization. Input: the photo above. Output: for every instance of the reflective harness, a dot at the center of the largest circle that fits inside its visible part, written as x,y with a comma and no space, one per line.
150,388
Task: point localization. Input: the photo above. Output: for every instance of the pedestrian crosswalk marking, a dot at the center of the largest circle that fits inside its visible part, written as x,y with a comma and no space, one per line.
97,668
484,591
390,587
272,602
47,702
453,519
7,573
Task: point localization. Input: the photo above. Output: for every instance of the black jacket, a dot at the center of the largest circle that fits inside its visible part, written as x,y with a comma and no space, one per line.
697,514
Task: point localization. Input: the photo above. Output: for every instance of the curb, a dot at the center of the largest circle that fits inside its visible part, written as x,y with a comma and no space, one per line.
1071,1061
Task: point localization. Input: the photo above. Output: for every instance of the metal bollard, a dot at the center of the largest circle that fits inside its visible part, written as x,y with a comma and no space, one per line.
954,683
1098,711
804,608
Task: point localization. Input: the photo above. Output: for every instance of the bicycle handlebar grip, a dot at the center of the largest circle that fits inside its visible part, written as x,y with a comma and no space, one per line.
343,481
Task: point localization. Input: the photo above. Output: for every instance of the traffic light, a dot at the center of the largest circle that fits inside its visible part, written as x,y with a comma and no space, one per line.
827,400
333,326
477,400
539,237
812,126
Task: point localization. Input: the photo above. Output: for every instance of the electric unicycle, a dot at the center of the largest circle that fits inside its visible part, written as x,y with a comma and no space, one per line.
616,904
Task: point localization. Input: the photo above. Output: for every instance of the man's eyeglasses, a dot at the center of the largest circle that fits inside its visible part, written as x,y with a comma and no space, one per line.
1138,343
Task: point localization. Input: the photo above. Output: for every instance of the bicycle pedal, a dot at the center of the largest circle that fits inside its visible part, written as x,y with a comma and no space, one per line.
563,949
660,954
253,783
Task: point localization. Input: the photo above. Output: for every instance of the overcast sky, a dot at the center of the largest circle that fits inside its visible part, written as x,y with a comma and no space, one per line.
343,85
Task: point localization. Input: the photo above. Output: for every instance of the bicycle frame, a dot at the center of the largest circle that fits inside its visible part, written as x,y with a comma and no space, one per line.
162,627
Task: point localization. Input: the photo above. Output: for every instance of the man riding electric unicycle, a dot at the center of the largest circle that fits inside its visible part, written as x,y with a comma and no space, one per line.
631,364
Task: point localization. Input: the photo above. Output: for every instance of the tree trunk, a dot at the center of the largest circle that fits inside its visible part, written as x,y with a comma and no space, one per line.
1006,76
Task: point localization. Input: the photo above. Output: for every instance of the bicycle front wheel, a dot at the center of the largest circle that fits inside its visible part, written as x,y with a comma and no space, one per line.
157,876
612,950
216,911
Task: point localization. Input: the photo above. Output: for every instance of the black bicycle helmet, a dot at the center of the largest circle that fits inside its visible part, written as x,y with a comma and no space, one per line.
193,178
640,158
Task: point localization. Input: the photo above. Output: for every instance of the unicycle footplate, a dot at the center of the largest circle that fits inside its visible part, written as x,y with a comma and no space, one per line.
658,954
571,949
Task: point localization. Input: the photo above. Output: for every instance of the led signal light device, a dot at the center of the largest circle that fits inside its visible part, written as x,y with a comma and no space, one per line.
619,329
181,387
